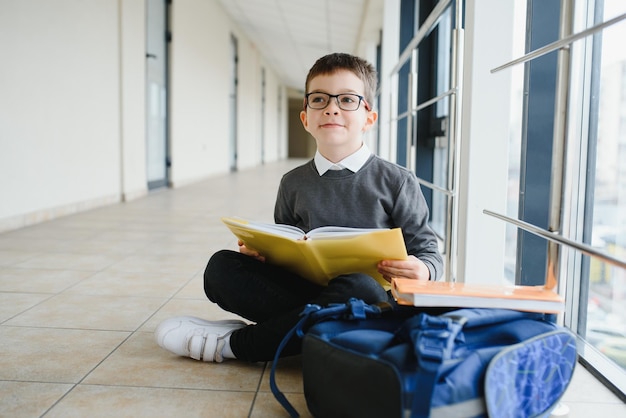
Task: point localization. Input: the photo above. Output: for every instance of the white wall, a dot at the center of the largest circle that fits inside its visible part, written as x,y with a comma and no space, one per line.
200,81
484,140
199,85
59,108
72,103
133,103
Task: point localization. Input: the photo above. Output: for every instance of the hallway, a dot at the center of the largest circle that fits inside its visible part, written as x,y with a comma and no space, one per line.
80,297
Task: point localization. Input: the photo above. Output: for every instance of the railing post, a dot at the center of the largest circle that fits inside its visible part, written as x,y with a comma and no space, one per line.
454,149
559,145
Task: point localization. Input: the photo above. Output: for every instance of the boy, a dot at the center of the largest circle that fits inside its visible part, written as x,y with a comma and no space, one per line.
344,185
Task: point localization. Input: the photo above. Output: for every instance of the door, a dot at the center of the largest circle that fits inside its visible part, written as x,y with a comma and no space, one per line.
233,103
157,162
262,115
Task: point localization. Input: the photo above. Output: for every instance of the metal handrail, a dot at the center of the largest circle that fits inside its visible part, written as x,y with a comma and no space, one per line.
434,100
552,236
425,104
561,43
435,187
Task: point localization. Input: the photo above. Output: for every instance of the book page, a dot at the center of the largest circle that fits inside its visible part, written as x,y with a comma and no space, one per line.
287,231
327,232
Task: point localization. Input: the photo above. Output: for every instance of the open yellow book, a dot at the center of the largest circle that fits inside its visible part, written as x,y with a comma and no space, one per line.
323,253
462,295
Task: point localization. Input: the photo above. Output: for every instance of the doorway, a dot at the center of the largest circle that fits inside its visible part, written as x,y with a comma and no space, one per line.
157,147
233,102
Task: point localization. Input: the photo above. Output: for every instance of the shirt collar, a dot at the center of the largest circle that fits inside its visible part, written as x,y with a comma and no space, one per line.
352,162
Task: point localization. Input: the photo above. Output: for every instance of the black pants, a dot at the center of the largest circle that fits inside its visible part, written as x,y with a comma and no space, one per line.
273,298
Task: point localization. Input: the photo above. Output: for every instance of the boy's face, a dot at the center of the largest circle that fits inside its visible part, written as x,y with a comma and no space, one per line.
338,132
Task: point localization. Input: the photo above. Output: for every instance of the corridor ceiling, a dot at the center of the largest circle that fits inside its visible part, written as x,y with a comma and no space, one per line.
292,34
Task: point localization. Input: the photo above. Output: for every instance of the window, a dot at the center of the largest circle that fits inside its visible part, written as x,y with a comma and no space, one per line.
594,178
602,315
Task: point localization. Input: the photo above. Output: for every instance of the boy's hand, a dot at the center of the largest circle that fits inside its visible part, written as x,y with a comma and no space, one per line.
247,251
411,268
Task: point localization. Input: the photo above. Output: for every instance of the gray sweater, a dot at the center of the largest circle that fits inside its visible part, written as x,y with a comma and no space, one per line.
380,195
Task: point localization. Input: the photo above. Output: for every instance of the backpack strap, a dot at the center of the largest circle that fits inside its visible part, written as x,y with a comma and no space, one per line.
354,309
433,339
280,397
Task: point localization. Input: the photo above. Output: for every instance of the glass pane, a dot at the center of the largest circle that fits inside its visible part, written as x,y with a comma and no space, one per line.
442,113
606,311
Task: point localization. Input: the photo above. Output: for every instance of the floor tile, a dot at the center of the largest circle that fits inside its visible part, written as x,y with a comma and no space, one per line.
266,406
94,312
194,289
129,235
121,283
200,248
596,409
132,402
9,257
29,399
37,245
54,230
141,362
12,304
585,388
101,246
288,375
53,355
72,261
183,265
14,279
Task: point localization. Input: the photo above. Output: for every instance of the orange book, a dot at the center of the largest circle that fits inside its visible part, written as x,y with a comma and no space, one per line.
462,295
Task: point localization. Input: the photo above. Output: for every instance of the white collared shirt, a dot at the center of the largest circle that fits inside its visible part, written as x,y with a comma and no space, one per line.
352,162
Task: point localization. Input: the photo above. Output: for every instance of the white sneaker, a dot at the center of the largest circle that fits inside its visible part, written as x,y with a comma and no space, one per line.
196,338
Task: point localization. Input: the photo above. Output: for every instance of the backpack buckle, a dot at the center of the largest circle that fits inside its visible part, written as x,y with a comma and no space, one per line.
434,338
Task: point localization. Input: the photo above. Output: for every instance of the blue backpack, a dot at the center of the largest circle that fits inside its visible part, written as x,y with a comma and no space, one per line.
361,360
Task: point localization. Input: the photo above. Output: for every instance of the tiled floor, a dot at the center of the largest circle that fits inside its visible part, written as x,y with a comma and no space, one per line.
80,297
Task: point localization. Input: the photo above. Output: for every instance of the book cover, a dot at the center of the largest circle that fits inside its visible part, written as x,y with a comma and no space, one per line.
462,295
323,253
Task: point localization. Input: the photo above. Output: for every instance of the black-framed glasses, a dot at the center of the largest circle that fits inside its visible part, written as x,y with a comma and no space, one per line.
345,101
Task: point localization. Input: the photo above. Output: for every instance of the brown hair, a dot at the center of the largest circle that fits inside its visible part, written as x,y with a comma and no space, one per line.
332,63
